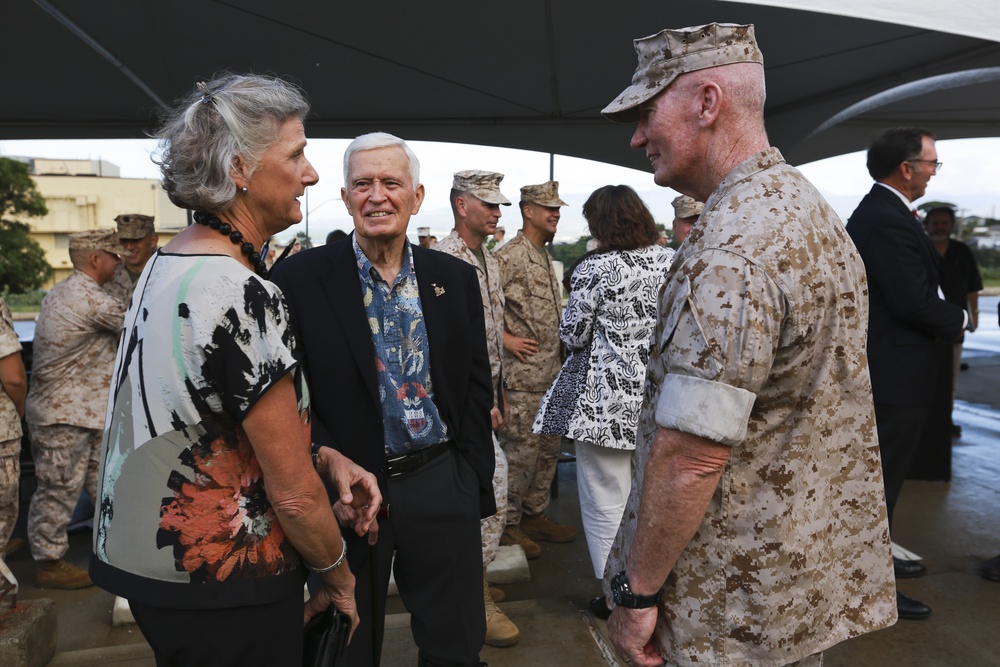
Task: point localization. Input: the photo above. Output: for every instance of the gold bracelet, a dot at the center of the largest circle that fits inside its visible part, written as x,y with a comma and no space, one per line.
331,568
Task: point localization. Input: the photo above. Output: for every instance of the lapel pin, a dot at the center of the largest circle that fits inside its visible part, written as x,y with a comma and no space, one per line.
438,290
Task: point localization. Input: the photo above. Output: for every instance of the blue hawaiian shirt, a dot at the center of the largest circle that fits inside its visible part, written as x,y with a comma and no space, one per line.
402,357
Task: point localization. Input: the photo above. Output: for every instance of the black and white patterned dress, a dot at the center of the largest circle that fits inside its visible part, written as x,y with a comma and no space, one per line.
607,325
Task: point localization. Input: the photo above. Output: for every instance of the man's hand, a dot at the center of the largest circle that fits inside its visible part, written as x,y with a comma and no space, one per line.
499,420
631,631
520,347
360,497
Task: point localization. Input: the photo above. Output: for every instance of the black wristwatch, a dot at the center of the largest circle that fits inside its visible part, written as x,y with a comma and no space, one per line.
624,597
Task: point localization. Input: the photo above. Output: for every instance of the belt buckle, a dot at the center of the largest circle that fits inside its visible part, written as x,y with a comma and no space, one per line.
401,465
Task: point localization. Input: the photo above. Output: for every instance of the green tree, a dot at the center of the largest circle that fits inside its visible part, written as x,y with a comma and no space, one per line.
567,253
23,266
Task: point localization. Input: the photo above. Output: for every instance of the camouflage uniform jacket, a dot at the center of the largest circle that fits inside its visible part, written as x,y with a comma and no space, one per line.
493,302
10,423
74,354
533,303
760,344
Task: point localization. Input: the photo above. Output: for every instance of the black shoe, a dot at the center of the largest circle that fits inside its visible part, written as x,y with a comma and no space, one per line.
910,609
991,569
908,569
599,608
963,366
956,431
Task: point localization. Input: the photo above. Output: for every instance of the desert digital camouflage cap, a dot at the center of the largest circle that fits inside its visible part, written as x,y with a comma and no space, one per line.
687,207
669,53
483,185
543,194
134,225
96,239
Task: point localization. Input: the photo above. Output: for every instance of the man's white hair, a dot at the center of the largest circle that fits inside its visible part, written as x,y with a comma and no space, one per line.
373,140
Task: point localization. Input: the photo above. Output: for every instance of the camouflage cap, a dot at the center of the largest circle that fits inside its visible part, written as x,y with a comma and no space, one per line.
134,225
96,239
687,207
543,194
669,53
423,231
483,185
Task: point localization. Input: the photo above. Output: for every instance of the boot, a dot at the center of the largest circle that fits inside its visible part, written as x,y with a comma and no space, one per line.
500,631
513,535
61,574
541,527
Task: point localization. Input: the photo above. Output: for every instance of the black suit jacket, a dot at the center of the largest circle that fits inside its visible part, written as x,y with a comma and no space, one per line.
905,313
323,292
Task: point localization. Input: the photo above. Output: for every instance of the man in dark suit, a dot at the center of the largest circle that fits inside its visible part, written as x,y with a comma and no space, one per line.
907,311
395,352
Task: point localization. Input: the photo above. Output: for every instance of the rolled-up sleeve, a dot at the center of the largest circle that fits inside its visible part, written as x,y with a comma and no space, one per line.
720,333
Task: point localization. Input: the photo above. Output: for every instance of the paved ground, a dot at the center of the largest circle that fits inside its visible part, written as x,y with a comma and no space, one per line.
954,526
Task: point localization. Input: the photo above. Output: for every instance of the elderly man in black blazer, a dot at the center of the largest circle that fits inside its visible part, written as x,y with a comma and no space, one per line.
395,354
907,311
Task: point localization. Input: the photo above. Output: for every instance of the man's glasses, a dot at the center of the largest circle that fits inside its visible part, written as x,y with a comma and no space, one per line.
937,165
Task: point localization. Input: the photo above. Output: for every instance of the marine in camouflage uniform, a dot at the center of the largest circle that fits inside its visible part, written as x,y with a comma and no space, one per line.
533,297
11,407
475,202
74,354
488,271
775,546
139,239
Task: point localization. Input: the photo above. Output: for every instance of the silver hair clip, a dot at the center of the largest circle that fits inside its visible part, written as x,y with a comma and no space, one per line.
206,97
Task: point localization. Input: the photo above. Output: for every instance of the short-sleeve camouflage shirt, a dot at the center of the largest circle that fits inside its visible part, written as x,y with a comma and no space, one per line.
74,354
760,344
533,300
10,423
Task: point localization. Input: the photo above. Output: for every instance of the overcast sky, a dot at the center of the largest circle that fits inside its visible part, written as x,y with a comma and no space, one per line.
970,178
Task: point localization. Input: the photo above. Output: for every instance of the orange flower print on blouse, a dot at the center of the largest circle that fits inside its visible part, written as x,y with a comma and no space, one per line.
220,521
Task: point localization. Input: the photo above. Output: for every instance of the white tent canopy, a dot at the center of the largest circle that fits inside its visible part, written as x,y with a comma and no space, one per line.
969,18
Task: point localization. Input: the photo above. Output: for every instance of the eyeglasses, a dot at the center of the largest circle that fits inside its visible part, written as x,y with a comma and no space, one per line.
937,165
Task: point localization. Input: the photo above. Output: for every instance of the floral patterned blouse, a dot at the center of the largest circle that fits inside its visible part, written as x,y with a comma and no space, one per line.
184,519
606,327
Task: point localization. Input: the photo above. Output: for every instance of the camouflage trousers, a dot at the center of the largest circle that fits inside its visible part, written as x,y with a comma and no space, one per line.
66,459
531,458
492,526
10,481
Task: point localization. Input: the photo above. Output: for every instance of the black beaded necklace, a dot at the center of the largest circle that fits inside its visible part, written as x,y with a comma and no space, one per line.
236,236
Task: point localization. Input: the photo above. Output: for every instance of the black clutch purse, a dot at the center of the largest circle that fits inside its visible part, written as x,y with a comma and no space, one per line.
326,638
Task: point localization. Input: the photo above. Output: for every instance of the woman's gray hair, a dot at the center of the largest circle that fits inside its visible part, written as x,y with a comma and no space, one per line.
228,121
373,140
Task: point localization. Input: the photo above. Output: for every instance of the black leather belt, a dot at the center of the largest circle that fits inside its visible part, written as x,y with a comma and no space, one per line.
407,463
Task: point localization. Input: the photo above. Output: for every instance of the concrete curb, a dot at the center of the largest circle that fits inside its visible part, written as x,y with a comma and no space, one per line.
29,633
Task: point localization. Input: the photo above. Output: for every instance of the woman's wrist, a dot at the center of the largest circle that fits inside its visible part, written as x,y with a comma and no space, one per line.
336,564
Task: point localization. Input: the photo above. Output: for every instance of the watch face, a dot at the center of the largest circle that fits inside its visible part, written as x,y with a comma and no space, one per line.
618,584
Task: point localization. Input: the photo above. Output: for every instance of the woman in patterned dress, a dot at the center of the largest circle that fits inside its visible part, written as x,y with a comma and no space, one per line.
211,510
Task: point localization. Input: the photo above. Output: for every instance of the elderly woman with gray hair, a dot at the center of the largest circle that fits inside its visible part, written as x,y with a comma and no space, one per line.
210,508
